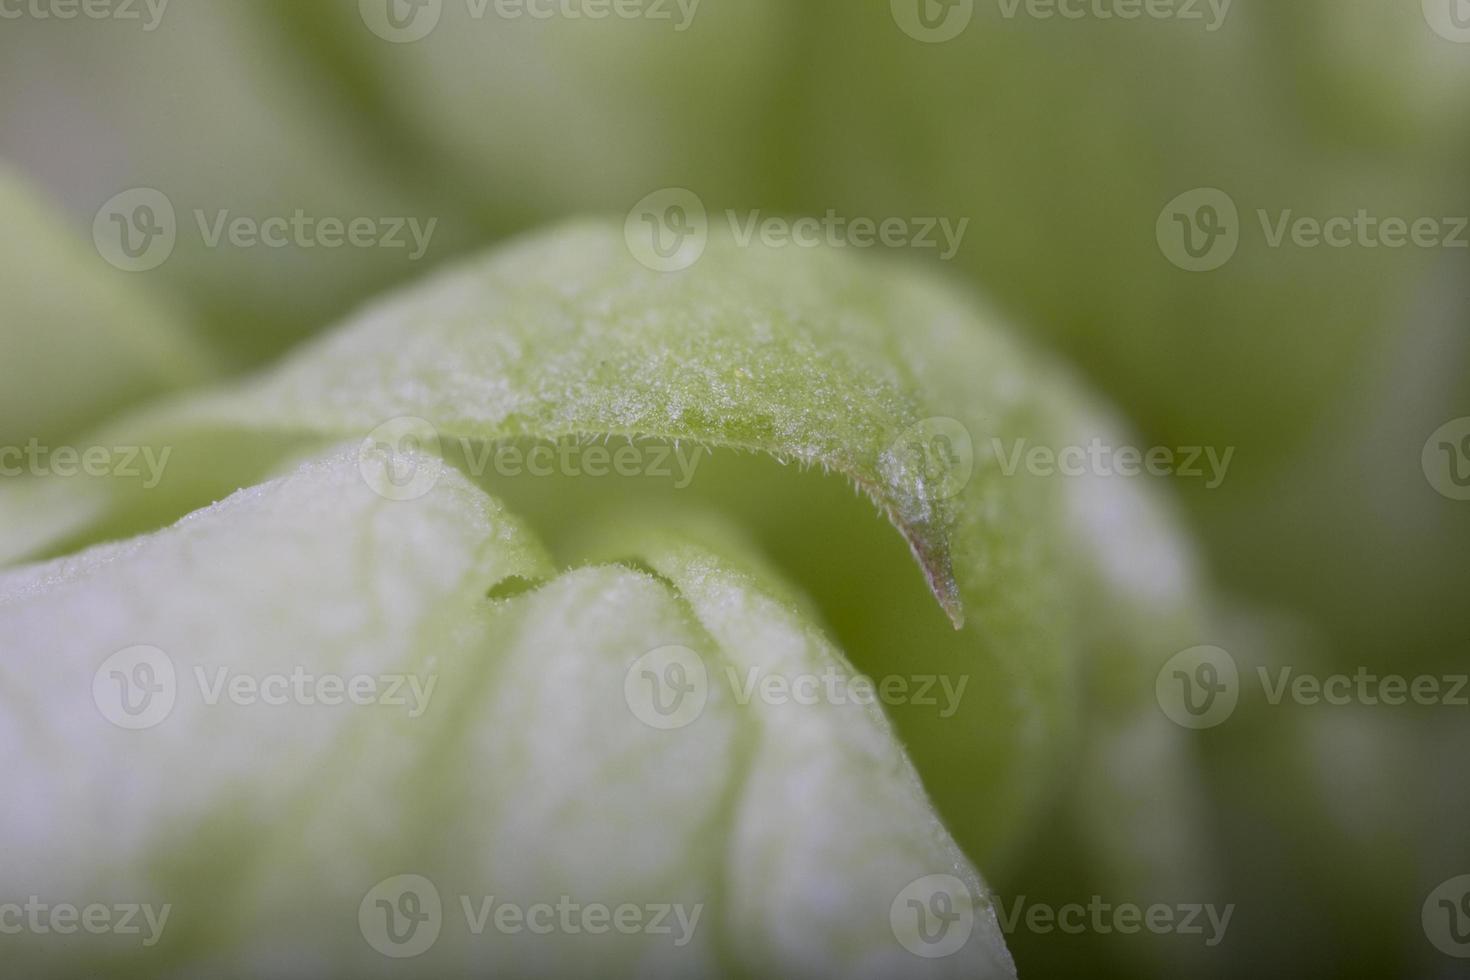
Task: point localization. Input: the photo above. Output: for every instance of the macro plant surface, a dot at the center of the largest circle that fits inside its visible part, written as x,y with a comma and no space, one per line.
510,491
541,627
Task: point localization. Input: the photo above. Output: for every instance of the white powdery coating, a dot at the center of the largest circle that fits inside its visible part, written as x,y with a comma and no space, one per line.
793,871
528,778
313,571
809,356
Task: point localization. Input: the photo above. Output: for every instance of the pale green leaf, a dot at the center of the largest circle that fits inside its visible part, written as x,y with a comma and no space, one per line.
79,339
816,357
519,767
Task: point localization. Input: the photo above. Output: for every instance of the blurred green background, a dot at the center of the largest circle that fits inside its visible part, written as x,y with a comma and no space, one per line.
1060,140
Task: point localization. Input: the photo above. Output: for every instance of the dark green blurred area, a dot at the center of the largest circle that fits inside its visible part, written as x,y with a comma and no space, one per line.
1326,369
